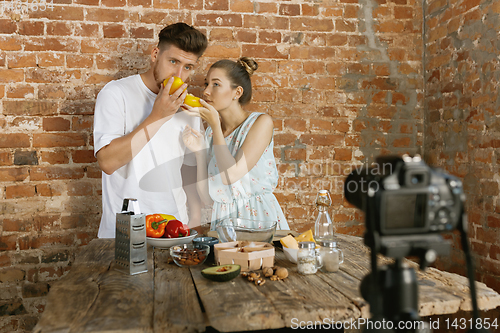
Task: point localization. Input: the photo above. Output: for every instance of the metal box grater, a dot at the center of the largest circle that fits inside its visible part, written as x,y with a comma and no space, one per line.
130,239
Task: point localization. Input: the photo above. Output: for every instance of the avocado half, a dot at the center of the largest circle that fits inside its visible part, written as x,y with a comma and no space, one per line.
221,273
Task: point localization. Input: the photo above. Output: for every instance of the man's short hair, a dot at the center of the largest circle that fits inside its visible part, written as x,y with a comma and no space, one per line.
184,37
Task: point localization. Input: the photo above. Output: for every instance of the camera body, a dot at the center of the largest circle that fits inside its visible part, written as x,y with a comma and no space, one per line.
403,196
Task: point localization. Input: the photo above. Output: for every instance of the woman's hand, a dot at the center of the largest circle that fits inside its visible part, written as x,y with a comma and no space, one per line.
194,140
207,113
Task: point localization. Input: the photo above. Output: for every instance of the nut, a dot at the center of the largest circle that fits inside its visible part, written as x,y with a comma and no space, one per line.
253,276
282,273
274,278
245,274
260,282
188,256
267,271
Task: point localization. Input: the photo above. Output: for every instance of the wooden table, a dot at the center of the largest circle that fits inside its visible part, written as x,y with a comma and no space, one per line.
94,297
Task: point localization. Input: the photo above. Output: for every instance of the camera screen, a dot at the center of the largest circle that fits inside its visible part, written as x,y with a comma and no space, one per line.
405,211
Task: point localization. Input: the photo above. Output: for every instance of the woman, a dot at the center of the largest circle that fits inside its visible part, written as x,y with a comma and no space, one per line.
236,168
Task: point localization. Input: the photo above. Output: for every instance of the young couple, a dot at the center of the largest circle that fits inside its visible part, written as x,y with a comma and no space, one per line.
143,139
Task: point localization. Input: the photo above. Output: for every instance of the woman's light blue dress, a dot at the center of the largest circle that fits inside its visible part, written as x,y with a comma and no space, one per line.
252,196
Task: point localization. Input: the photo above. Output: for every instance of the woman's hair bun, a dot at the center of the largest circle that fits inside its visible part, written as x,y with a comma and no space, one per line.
249,64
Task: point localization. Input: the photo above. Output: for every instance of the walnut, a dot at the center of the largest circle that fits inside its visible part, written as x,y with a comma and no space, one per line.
274,278
245,274
267,271
282,273
260,282
253,276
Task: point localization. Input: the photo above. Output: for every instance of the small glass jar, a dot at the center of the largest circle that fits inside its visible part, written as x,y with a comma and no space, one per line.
331,257
307,258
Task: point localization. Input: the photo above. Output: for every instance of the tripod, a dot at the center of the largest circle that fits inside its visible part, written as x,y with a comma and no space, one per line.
392,291
395,300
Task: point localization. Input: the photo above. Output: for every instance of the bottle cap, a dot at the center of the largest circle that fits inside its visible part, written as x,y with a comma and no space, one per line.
323,198
328,243
307,245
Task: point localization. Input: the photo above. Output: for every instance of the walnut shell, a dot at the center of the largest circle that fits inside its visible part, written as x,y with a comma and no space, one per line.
267,271
260,282
282,273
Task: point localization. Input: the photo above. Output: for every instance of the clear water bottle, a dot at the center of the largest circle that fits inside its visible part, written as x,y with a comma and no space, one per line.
323,228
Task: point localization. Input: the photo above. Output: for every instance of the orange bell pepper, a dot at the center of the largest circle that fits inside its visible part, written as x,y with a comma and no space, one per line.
155,225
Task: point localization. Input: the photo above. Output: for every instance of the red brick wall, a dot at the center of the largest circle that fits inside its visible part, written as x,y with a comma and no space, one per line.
343,81
462,76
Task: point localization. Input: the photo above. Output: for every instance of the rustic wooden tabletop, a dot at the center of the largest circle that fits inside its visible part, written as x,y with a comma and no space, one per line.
94,297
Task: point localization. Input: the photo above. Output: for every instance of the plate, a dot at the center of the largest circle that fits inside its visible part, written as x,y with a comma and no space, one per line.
165,243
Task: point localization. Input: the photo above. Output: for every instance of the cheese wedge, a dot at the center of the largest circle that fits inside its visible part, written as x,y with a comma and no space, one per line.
305,237
289,242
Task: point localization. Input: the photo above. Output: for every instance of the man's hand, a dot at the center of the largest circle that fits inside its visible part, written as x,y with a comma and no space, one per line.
167,105
122,150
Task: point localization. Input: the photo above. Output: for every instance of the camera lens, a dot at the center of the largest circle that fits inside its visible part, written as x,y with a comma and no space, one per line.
417,179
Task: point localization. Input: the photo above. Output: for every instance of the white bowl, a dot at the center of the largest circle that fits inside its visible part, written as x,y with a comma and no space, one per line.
165,243
291,254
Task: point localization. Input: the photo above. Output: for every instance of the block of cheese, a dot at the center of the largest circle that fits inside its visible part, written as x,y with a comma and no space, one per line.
289,242
305,237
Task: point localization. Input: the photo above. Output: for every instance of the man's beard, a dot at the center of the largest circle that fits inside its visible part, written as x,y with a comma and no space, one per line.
156,75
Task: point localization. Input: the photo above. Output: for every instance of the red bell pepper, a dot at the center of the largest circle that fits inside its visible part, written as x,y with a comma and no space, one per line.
176,228
155,225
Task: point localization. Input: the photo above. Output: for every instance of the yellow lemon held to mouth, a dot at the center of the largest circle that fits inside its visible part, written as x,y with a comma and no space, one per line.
192,101
175,85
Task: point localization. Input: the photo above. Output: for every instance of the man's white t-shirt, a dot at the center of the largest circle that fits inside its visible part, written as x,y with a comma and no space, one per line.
153,177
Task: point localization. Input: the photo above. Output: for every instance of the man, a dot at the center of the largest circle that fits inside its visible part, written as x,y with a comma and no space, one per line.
138,134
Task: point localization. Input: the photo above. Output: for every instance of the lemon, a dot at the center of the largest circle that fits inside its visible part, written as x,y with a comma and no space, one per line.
175,85
192,100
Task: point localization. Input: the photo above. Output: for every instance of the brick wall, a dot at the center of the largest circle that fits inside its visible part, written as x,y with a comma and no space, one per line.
343,81
462,75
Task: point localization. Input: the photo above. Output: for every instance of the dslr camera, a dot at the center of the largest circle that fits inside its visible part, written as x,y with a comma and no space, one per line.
406,202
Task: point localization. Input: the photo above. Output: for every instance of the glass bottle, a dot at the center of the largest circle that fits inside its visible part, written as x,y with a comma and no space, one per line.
308,260
331,257
323,228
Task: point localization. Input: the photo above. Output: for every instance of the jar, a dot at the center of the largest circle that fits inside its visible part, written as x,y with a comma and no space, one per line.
330,256
308,261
